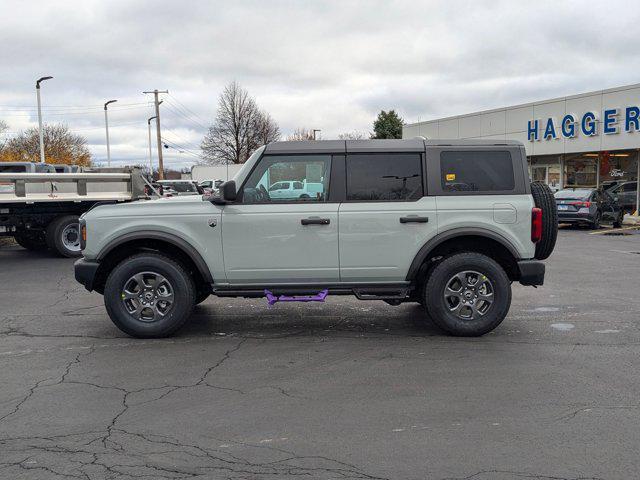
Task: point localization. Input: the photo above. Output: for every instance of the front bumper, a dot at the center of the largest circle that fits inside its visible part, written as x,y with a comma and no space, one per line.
531,272
85,272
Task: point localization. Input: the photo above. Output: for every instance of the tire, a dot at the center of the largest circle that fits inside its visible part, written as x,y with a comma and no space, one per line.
618,222
157,318
34,241
595,225
63,236
544,200
482,316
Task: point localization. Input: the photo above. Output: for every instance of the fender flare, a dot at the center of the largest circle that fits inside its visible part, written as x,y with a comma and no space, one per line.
174,240
430,245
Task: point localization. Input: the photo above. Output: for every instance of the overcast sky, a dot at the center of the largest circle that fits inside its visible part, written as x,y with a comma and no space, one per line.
321,64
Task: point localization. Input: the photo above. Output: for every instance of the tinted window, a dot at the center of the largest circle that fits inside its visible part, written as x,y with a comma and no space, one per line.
476,171
630,187
384,177
270,181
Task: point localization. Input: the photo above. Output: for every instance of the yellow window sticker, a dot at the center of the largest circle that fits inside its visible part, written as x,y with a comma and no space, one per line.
451,177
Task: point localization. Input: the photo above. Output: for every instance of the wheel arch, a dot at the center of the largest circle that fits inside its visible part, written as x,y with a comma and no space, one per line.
148,240
470,240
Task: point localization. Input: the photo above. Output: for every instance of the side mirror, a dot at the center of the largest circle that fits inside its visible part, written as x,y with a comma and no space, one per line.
228,190
227,194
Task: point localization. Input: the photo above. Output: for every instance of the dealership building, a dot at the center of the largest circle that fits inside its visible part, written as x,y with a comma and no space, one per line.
576,141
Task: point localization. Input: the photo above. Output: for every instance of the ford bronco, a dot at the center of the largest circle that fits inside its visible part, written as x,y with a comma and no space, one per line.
447,224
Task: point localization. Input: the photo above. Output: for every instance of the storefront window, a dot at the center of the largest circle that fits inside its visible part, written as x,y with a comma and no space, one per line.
580,170
618,166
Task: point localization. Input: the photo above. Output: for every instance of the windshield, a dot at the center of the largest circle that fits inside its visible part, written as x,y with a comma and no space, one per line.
250,160
574,194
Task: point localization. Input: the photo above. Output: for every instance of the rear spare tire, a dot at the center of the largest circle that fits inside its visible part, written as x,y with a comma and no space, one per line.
544,200
63,236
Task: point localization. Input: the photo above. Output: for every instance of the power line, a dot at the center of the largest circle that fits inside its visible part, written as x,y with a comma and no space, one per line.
194,122
187,109
70,107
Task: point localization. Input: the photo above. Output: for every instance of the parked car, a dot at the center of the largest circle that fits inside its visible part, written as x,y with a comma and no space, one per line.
588,206
626,193
404,235
293,189
180,187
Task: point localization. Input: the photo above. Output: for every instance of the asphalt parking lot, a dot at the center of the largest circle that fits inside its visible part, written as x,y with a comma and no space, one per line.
348,389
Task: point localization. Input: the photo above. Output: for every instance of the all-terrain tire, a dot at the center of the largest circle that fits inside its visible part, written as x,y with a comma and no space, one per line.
34,241
442,310
544,200
127,312
63,236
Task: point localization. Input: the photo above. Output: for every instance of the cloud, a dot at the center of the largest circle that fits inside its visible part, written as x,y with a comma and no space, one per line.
330,65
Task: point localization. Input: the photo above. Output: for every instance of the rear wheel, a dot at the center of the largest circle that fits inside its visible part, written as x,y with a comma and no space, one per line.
149,295
63,236
468,294
34,241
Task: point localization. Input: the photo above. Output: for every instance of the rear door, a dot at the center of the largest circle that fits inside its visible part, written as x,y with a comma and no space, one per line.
385,218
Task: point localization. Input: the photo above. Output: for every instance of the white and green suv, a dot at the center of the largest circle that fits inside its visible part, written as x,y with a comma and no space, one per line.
447,224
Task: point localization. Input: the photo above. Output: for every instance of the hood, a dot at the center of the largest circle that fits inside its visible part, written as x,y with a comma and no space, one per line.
160,206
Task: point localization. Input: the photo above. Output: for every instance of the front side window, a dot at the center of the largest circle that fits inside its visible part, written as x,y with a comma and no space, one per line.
288,178
384,177
476,171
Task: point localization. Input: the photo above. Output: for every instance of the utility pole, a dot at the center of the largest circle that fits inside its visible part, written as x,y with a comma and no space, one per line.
150,156
106,126
41,79
157,103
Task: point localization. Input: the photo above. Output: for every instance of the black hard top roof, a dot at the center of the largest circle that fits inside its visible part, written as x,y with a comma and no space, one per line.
374,145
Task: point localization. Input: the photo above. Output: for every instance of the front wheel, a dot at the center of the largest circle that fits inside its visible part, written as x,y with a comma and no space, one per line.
468,294
149,295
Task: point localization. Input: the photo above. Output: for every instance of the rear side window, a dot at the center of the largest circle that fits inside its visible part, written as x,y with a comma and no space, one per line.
384,177
476,171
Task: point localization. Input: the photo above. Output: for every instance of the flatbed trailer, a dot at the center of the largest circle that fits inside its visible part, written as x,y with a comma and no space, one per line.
41,210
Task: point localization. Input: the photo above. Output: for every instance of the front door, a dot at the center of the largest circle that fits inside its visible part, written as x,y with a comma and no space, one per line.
284,238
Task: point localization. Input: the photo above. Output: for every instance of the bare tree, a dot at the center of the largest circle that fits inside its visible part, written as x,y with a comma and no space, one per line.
264,129
239,128
301,134
355,135
60,146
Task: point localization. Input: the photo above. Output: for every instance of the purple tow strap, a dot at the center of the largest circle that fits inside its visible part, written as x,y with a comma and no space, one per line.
319,297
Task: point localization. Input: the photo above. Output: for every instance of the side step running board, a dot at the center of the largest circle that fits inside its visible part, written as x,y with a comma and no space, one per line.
381,293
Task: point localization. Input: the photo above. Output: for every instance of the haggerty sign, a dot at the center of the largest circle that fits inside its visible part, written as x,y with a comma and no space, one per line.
613,120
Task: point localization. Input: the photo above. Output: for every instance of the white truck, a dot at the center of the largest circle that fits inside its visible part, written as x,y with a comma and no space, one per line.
40,210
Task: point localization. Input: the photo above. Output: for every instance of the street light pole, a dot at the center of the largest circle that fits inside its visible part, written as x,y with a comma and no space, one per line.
150,157
106,126
41,133
159,138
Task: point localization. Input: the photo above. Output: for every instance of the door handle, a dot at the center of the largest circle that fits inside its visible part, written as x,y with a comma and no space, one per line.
315,221
414,219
